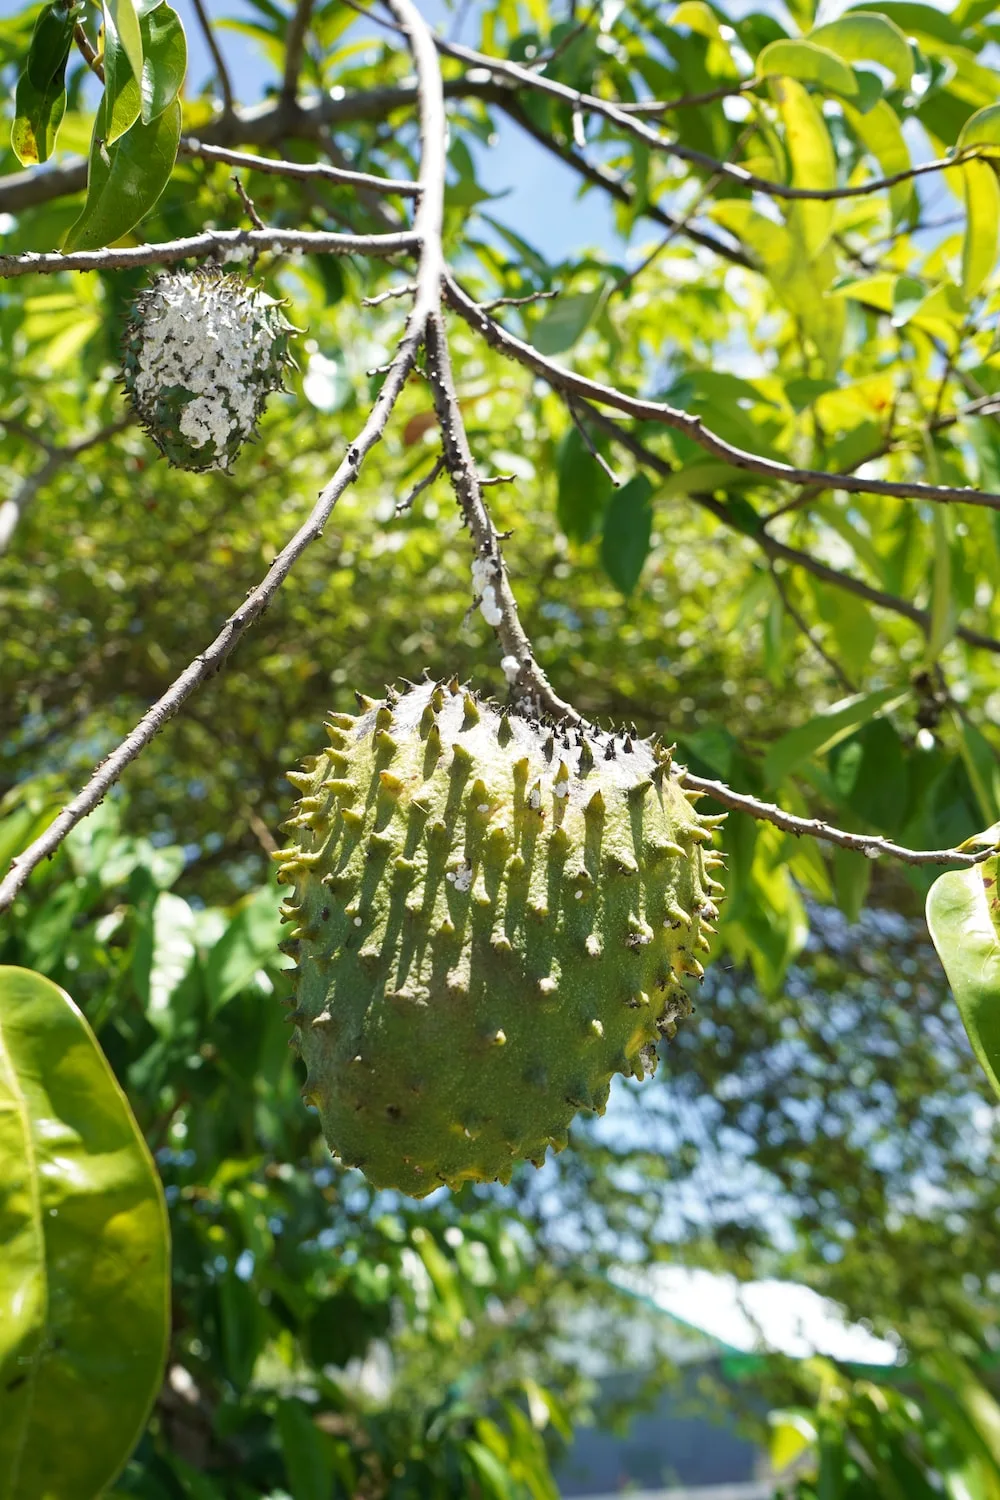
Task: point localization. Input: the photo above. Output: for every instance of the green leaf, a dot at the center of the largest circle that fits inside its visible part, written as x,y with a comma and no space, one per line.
125,179
880,132
84,1276
584,489
982,224
248,943
164,952
564,321
983,767
861,36
981,129
943,613
809,63
852,873
122,22
824,731
122,97
965,935
814,165
40,101
627,529
306,1452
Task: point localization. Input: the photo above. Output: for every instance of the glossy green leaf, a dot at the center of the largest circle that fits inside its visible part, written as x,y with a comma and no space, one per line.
164,60
40,101
628,525
125,179
981,129
983,767
584,488
968,944
982,224
122,96
84,1274
565,321
164,953
121,21
943,615
248,943
824,731
861,36
808,63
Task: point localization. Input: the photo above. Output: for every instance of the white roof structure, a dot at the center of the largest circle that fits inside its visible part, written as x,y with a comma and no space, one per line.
757,1317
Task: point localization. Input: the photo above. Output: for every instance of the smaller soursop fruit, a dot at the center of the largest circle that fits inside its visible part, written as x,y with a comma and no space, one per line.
492,917
201,354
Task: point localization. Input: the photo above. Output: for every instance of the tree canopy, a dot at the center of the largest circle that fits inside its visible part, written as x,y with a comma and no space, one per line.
739,471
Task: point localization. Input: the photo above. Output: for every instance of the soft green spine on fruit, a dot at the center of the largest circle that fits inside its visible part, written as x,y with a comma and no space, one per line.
490,918
202,353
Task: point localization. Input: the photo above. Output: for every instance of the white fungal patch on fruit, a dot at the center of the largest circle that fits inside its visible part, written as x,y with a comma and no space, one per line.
461,878
201,355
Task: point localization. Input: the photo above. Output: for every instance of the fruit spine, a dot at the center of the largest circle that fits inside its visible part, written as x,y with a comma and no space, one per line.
491,918
202,353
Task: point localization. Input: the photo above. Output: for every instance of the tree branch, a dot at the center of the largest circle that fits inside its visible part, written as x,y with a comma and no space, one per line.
301,171
534,689
692,427
871,845
13,508
295,45
590,104
221,71
211,242
426,233
780,551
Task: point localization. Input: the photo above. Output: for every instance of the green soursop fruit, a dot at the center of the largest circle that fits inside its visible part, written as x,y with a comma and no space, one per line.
202,353
492,917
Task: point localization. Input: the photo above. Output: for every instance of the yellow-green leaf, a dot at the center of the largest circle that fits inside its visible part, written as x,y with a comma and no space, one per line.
982,224
981,129
84,1274
862,35
795,58
880,132
814,164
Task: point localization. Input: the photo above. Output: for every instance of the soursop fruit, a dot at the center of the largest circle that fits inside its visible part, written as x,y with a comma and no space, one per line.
492,917
201,354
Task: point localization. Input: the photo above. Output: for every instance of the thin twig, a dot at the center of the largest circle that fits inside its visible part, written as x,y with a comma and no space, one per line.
221,71
300,171
393,291
808,632
211,242
863,843
295,46
402,506
498,479
590,445
427,233
57,456
531,685
519,301
589,103
780,551
248,203
689,101
87,52
693,427
617,187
